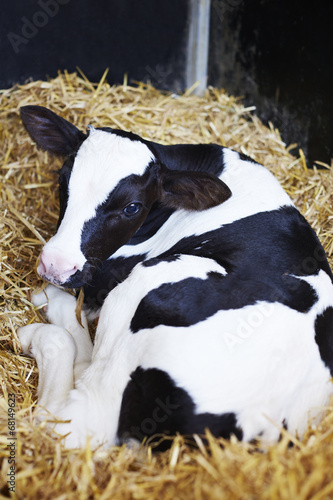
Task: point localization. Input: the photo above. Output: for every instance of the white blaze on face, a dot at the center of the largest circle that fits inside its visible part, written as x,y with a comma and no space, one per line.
102,161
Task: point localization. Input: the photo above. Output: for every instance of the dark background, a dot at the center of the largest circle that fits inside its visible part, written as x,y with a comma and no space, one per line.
277,54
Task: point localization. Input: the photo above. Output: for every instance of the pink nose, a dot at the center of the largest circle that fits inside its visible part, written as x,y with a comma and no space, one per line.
55,267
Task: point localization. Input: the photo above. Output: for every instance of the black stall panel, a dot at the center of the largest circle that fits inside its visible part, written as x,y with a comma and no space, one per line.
279,55
144,39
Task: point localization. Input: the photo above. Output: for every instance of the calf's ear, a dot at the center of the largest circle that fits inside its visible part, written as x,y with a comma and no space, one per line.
50,131
192,190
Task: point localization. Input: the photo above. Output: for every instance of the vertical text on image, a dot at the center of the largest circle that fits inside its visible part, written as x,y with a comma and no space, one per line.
11,442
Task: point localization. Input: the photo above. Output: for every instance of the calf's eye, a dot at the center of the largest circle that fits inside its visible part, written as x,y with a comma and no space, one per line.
132,209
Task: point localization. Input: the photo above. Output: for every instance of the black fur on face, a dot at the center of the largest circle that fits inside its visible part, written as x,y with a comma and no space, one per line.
64,176
120,216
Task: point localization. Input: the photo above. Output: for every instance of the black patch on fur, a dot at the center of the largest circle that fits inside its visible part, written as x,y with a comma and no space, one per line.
261,246
192,300
261,253
153,404
106,277
324,337
110,228
157,216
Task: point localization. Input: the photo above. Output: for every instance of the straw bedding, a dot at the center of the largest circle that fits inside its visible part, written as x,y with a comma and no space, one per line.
39,466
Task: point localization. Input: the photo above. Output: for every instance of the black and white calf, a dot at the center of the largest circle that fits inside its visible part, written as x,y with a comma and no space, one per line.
214,296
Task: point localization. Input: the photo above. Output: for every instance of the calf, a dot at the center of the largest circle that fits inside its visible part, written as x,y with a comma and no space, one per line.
214,295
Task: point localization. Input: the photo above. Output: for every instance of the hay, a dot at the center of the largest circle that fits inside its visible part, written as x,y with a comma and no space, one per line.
29,206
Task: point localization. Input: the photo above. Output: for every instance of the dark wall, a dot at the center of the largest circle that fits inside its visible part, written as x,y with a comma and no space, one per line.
278,54
144,38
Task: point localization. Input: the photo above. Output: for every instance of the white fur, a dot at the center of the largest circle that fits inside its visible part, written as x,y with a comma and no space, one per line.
101,162
261,362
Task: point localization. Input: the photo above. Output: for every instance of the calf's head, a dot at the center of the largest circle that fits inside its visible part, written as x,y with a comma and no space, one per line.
107,186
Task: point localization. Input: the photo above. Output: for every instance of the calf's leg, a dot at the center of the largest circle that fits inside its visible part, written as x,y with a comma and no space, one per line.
60,311
62,349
